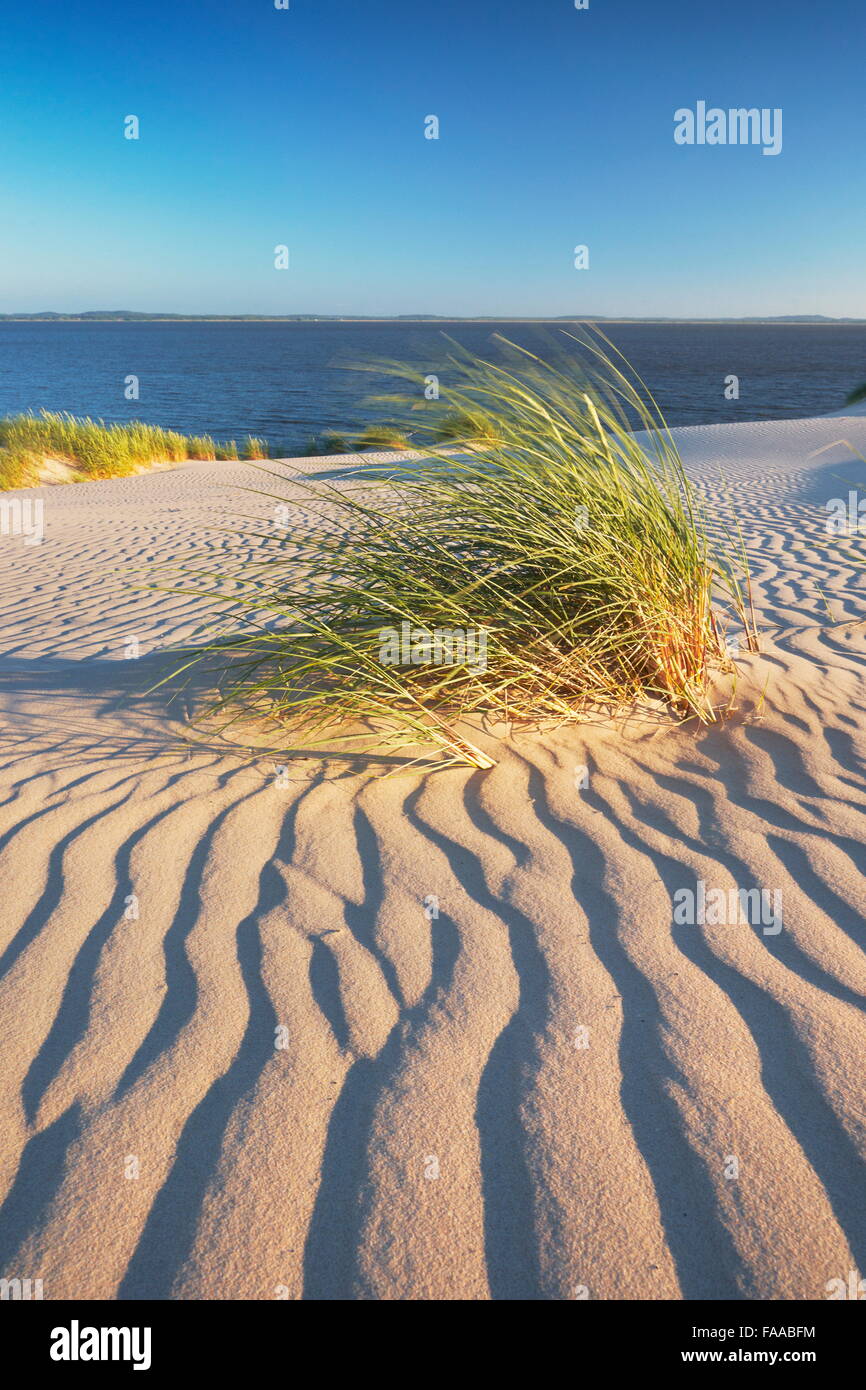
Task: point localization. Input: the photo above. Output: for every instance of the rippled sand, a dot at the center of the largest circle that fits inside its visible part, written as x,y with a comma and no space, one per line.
231,987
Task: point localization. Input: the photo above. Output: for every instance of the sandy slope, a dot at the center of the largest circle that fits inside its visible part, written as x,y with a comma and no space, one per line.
415,1046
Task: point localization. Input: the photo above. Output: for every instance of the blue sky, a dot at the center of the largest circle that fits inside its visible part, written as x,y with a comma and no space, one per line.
305,127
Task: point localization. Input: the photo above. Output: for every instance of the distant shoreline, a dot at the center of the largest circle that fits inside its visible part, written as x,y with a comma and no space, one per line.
808,321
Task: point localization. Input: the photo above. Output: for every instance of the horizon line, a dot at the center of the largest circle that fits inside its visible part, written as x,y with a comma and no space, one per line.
127,315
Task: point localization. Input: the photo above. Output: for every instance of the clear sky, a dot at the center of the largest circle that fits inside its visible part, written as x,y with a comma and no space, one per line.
305,127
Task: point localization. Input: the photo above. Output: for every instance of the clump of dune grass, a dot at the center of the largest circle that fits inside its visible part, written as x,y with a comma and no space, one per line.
201,446
255,448
465,426
568,549
382,437
18,468
95,449
327,443
92,449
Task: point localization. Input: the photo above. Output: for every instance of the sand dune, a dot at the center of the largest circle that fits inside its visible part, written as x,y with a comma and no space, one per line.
242,1059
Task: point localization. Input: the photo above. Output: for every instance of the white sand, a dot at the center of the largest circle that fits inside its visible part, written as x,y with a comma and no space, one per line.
418,1047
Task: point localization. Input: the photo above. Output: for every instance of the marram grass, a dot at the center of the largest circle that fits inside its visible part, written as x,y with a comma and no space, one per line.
92,449
566,548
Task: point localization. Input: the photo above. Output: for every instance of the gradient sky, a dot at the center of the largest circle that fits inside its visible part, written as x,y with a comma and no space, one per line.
306,127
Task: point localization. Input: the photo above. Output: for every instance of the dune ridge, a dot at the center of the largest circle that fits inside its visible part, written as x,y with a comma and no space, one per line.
430,1036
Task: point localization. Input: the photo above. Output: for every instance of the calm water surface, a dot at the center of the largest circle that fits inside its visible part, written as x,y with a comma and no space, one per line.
289,381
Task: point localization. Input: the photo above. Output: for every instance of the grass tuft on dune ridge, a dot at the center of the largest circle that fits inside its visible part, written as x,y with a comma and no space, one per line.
92,449
570,551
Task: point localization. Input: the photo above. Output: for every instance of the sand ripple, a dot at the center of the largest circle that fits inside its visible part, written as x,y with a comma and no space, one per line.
325,1039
